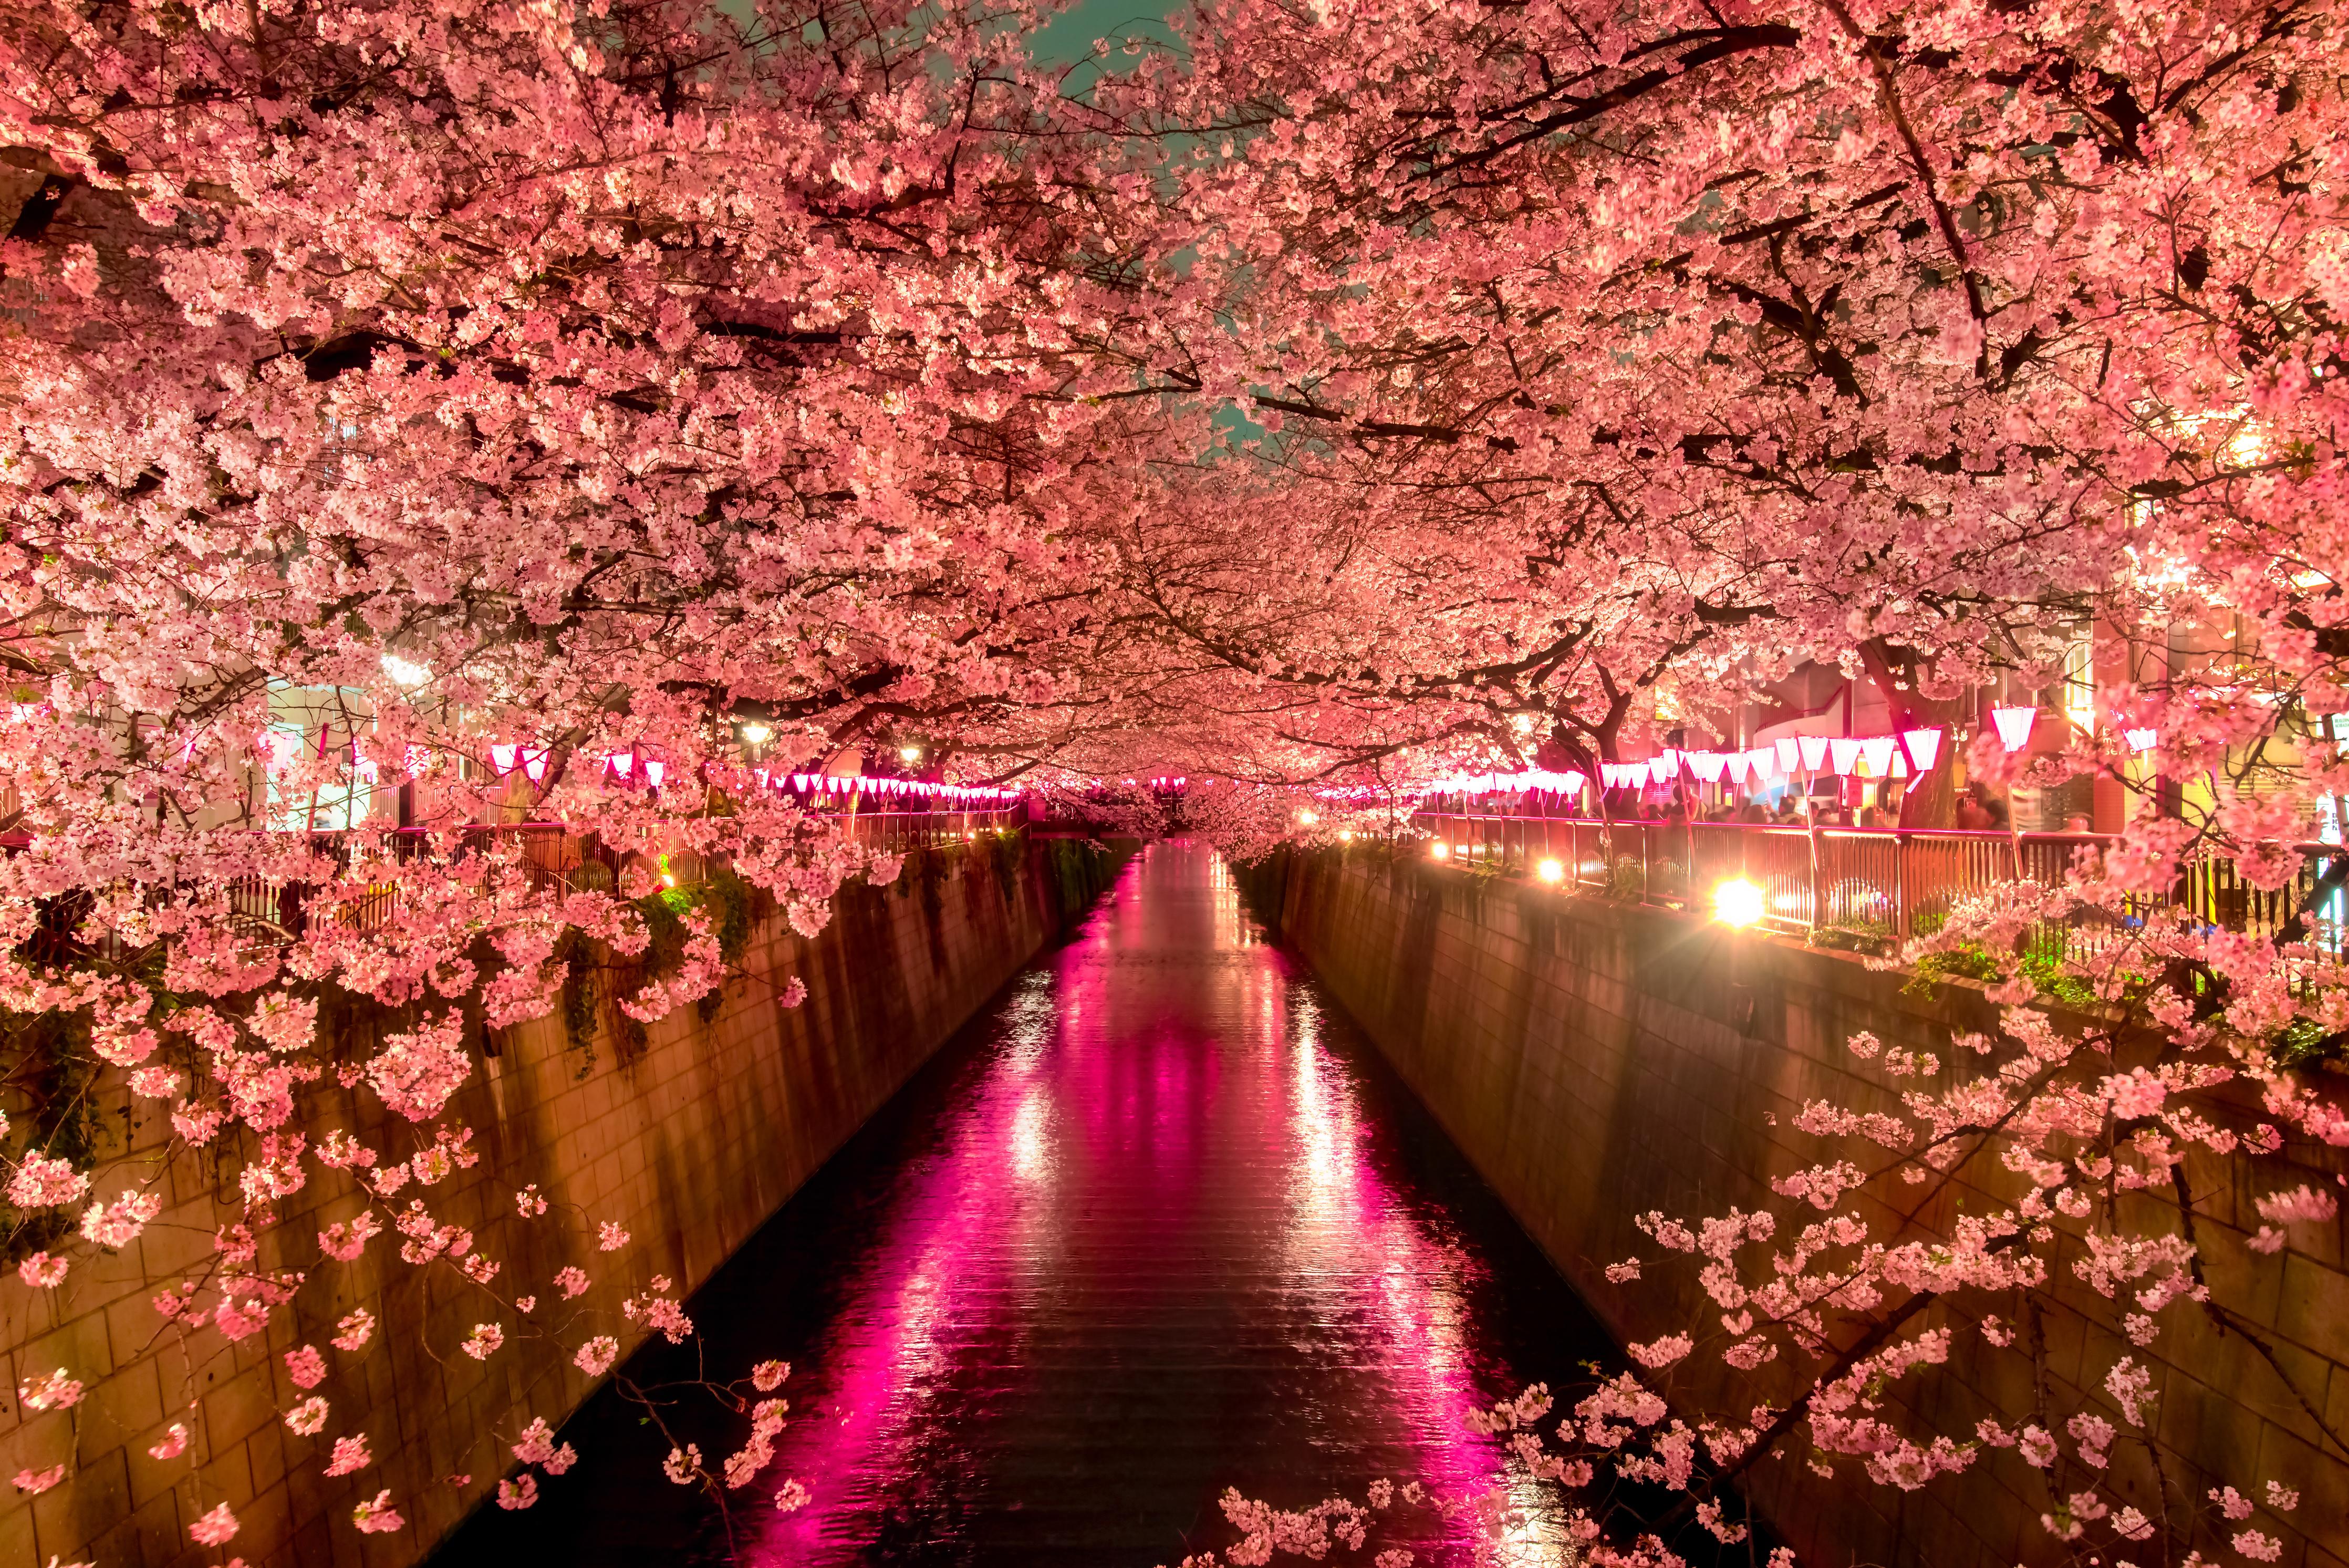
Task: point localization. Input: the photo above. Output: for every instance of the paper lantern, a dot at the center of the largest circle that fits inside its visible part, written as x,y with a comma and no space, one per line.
2014,726
1660,768
1766,762
1790,754
1815,751
502,757
1708,766
1877,752
1923,746
534,765
1845,749
622,762
1738,761
653,771
1573,781
2141,739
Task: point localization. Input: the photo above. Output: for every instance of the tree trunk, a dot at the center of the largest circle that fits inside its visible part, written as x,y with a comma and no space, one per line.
1933,801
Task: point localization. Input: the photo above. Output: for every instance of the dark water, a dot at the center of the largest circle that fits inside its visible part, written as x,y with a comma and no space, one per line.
1158,1222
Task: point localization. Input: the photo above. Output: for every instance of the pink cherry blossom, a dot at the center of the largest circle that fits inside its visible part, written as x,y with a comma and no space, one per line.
41,1182
41,1271
57,1391
350,1456
216,1528
377,1516
37,1481
355,1327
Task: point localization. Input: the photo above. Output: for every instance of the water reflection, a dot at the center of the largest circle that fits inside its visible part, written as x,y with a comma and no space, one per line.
1157,1224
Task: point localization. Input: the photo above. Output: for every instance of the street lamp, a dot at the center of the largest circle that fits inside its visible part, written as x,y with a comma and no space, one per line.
1737,902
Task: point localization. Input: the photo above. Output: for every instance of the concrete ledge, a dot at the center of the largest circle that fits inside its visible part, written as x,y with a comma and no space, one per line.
1596,1060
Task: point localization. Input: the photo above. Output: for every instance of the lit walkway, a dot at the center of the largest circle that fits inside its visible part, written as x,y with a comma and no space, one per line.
1156,1224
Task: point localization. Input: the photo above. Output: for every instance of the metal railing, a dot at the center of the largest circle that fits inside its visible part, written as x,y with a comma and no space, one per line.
554,859
1882,885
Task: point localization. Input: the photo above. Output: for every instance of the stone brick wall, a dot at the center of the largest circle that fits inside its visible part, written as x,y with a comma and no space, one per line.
1596,1061
690,1143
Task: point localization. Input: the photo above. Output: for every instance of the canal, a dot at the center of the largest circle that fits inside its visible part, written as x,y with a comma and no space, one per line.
1158,1222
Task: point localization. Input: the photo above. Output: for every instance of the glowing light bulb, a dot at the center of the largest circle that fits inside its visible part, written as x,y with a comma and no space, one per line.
1309,818
1550,871
758,734
1737,902
909,753
406,674
1440,850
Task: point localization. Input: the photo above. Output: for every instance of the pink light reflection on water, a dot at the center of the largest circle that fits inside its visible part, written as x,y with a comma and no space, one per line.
1160,1119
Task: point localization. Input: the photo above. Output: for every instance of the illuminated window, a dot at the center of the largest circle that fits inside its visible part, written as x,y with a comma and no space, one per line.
2079,693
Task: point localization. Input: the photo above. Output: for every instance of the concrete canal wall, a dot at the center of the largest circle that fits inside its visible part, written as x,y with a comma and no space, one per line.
689,1138
1599,1060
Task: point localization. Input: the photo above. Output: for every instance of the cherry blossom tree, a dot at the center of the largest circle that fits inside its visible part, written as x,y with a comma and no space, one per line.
585,415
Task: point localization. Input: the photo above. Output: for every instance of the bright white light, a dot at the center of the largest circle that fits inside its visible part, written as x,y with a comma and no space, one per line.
2142,740
1736,902
909,753
2014,726
1550,871
1347,837
758,734
406,674
1309,818
1440,850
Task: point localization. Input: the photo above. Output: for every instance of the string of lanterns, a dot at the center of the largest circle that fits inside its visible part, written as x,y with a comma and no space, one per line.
1868,756
280,747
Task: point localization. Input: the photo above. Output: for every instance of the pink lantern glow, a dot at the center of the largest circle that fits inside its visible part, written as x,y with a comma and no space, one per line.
1845,750
534,765
653,771
2014,726
502,757
1790,754
1574,781
1660,768
1923,746
622,762
1877,750
1815,751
